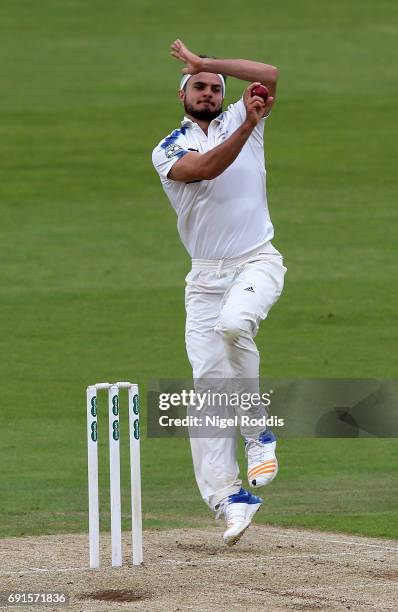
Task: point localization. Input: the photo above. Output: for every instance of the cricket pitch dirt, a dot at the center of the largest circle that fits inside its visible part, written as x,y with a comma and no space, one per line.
271,569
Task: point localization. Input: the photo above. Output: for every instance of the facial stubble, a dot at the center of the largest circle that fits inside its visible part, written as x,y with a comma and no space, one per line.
203,115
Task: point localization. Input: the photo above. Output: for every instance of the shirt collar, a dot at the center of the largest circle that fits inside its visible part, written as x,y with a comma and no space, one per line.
186,122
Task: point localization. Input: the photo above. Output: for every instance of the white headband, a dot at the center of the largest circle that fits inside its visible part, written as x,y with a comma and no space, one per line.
186,78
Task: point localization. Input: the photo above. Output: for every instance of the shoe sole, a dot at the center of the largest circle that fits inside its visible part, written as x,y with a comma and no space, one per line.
263,484
235,539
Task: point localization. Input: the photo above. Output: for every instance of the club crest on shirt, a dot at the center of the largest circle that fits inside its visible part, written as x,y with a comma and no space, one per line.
172,150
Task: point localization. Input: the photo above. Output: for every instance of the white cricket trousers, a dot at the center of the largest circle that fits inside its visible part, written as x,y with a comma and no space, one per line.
225,301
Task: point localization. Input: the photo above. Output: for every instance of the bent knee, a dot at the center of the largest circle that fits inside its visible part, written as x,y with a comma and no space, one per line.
233,327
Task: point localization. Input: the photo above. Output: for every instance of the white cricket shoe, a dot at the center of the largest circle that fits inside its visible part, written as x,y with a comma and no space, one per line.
262,464
238,509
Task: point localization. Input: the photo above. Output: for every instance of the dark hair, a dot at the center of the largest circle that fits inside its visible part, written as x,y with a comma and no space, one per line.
212,57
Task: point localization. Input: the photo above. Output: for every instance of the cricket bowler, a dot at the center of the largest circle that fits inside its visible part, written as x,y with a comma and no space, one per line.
212,170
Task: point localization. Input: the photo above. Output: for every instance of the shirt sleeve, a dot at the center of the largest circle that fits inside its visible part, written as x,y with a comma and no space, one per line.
168,152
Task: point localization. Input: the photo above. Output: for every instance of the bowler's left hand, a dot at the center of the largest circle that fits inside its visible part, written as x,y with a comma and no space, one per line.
193,63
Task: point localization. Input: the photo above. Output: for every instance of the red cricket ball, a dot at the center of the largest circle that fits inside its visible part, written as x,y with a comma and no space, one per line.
260,90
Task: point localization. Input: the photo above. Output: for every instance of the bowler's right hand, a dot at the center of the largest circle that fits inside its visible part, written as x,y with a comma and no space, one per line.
256,108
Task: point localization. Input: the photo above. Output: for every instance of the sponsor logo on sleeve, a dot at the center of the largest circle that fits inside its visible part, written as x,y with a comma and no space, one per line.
172,150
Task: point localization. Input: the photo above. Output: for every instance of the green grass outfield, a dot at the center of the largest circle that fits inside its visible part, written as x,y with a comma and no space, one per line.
92,271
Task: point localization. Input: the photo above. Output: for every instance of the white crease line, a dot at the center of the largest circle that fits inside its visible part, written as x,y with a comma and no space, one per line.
342,599
43,570
255,559
380,548
355,543
369,584
303,537
193,562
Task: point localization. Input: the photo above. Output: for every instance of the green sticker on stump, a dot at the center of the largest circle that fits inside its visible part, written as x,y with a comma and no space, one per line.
136,404
115,430
94,406
115,405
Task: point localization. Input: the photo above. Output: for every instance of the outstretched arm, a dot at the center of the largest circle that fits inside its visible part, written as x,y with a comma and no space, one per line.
246,70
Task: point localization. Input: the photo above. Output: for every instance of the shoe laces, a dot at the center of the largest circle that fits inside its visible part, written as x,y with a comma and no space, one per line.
224,508
256,449
221,508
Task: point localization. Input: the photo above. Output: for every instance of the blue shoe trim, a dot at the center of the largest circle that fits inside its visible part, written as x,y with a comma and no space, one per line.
254,499
267,437
242,497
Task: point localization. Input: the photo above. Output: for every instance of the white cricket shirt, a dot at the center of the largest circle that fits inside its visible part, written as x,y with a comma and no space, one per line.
227,216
